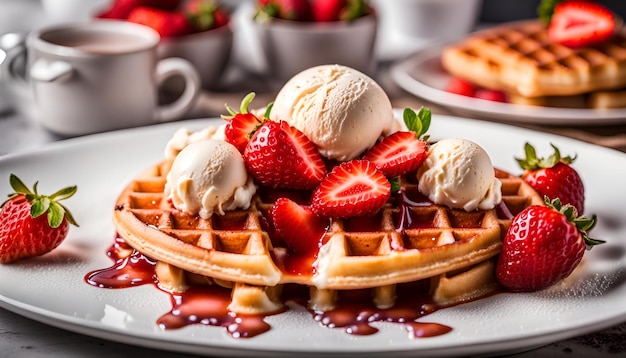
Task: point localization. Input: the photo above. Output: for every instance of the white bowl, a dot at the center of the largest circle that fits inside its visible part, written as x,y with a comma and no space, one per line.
428,20
290,47
208,51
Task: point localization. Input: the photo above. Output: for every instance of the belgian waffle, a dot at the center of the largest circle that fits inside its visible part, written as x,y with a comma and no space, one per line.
519,58
452,249
601,99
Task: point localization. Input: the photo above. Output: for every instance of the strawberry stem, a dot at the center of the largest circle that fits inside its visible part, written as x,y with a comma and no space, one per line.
41,204
533,162
582,223
243,106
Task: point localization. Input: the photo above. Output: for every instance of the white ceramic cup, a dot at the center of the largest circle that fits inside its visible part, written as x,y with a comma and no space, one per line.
429,20
102,75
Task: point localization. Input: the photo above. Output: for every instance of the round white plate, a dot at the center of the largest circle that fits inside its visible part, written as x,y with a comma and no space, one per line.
422,75
51,288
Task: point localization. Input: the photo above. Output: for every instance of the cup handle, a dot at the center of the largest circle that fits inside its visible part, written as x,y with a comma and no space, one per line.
14,48
50,71
177,66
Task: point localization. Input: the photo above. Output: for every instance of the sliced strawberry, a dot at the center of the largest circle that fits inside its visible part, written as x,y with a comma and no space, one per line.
241,125
298,226
166,23
281,156
461,86
397,154
581,23
353,188
491,95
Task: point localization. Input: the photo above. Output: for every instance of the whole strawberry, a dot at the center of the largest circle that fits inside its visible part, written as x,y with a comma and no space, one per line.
24,229
543,245
553,177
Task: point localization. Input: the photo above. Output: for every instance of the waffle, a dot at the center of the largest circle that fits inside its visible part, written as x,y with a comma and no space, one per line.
602,99
452,249
519,58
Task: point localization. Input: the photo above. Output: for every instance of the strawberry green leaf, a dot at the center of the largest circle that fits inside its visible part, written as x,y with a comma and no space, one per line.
68,216
55,215
268,110
532,161
39,206
18,185
64,193
545,10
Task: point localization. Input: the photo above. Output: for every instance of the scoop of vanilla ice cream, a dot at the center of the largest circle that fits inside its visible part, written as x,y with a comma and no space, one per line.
458,173
340,109
183,137
209,176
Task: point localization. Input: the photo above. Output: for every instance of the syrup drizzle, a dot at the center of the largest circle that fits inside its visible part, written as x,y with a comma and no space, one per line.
208,305
354,311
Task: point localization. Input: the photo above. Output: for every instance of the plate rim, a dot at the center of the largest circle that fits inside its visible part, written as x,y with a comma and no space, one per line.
402,73
67,322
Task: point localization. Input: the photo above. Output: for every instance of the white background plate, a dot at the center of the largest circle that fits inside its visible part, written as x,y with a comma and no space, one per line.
51,288
422,75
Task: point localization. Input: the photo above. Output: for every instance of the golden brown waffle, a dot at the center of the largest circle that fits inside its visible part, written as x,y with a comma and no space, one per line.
453,249
602,99
519,58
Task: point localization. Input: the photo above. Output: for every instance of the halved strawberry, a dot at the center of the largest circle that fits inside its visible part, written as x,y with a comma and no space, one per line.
281,156
403,151
298,226
241,125
397,154
353,188
581,23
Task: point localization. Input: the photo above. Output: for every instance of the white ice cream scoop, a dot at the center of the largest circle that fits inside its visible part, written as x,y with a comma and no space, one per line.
458,173
343,111
209,176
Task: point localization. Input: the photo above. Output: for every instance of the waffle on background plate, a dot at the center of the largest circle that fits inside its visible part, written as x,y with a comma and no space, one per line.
518,58
451,251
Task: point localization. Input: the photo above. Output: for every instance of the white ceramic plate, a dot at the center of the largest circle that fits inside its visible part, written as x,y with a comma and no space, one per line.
51,288
422,75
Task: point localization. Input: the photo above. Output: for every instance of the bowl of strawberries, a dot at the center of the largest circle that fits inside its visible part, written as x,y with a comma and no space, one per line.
196,30
298,34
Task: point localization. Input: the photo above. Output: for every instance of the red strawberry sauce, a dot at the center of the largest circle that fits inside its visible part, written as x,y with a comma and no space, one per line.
208,305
